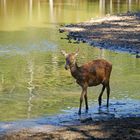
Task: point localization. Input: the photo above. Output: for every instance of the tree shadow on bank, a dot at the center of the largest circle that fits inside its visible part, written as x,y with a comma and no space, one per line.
119,33
126,128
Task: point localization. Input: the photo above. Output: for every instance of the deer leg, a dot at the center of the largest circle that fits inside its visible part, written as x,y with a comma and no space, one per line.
108,93
86,100
100,96
81,100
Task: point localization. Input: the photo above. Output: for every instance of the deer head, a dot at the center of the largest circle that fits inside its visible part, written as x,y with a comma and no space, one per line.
70,58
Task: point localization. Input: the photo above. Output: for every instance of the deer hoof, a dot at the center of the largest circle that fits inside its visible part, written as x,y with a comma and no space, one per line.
86,110
79,113
86,107
99,104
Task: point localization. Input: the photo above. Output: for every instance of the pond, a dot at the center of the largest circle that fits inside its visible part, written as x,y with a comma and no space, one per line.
33,81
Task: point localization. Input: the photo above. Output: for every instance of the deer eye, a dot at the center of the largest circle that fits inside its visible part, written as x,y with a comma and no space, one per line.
67,61
70,59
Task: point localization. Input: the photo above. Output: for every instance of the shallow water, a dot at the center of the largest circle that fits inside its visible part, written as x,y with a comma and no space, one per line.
33,81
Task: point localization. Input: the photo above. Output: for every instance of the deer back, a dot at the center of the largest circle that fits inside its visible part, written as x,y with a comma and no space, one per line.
93,73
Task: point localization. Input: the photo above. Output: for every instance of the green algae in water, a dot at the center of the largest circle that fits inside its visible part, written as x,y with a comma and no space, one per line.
33,81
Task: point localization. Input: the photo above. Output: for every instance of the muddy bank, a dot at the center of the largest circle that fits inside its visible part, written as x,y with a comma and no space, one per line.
126,128
116,32
120,121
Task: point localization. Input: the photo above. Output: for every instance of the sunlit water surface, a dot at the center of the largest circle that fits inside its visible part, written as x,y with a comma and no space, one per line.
33,81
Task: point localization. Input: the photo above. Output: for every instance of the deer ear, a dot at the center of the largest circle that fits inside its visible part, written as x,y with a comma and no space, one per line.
64,53
77,51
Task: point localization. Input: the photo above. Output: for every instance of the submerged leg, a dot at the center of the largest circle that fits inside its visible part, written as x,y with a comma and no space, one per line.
86,100
81,100
108,93
100,96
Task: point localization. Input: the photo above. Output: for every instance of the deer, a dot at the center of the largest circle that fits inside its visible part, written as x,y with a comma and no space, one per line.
90,74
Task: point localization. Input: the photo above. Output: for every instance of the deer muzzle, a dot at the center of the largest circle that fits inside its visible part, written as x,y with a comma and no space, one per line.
66,67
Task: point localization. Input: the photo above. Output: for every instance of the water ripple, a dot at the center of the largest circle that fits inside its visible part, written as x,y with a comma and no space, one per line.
14,49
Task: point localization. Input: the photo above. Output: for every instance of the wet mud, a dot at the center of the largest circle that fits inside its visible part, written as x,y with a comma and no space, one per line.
120,121
118,129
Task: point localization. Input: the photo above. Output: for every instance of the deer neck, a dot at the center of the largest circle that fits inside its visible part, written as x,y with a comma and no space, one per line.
74,70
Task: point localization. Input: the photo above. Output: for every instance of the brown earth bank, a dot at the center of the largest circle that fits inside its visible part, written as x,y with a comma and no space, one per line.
115,129
115,32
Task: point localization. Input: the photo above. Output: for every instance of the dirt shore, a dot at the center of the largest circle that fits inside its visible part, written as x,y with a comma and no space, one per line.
116,32
115,129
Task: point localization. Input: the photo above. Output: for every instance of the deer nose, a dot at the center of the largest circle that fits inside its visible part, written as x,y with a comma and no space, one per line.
66,67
